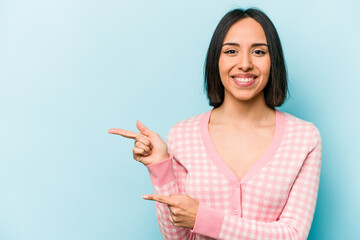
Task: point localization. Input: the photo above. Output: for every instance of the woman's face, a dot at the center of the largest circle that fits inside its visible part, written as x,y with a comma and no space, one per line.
244,62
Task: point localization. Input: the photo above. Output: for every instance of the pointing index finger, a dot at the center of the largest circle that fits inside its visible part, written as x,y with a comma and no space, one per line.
123,132
159,198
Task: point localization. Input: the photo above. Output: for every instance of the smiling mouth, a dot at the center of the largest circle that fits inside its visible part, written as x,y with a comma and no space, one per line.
244,80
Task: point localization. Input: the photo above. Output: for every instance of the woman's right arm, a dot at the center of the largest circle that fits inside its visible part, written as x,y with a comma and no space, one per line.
166,173
168,177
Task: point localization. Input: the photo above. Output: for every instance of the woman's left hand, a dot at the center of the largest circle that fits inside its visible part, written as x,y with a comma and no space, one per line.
183,208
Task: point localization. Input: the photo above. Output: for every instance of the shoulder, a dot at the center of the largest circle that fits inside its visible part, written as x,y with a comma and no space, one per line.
190,124
298,123
185,132
299,129
188,128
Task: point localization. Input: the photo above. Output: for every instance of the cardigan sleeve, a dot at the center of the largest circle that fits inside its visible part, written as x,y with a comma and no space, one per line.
168,177
295,219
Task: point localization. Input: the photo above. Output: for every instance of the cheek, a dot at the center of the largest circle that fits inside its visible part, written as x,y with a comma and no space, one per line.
224,66
265,68
221,66
268,65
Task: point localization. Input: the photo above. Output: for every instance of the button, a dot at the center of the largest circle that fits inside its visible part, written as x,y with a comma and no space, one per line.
237,185
236,212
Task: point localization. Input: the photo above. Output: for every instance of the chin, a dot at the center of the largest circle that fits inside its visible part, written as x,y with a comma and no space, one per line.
250,97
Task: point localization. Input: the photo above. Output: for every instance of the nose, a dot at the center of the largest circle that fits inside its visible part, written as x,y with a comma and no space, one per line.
245,62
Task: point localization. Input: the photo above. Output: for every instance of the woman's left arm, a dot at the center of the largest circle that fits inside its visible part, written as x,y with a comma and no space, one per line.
294,221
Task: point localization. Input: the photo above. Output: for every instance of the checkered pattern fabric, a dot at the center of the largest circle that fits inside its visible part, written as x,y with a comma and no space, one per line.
275,199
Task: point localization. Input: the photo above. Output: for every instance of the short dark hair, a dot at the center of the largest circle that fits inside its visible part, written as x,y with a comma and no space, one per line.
276,89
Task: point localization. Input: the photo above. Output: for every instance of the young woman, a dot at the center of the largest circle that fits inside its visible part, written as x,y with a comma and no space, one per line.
242,170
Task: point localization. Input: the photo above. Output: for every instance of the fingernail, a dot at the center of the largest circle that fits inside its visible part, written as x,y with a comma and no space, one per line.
145,197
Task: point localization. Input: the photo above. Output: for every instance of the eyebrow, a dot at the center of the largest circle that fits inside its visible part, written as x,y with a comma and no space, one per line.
252,45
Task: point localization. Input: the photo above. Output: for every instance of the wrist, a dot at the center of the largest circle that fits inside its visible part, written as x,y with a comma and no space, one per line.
159,160
161,172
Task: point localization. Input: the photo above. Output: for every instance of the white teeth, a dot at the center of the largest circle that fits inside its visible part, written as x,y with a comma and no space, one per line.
244,79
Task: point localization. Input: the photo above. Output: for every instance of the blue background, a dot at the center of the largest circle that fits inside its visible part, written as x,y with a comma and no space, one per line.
72,69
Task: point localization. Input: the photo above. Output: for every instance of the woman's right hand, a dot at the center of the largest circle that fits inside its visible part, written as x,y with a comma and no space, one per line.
149,147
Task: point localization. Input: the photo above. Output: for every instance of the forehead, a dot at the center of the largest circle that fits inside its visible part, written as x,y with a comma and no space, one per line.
245,30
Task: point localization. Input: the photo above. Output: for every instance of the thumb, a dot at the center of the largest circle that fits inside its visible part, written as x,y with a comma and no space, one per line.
143,129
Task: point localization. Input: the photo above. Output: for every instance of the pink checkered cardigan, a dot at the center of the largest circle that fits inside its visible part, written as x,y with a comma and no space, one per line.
274,200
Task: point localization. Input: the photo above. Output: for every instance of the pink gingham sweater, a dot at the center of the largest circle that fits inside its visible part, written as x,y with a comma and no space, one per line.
274,200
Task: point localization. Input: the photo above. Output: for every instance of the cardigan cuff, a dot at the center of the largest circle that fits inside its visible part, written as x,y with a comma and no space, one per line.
161,173
208,221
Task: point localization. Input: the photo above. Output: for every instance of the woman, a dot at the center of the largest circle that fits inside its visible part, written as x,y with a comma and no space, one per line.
243,170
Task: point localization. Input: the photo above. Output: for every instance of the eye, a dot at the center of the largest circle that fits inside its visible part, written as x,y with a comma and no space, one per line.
230,51
259,52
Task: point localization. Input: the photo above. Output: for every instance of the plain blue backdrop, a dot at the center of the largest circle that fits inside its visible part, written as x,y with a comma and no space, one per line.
72,69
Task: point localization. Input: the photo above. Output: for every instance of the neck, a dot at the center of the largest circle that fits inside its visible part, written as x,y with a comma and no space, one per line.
248,113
